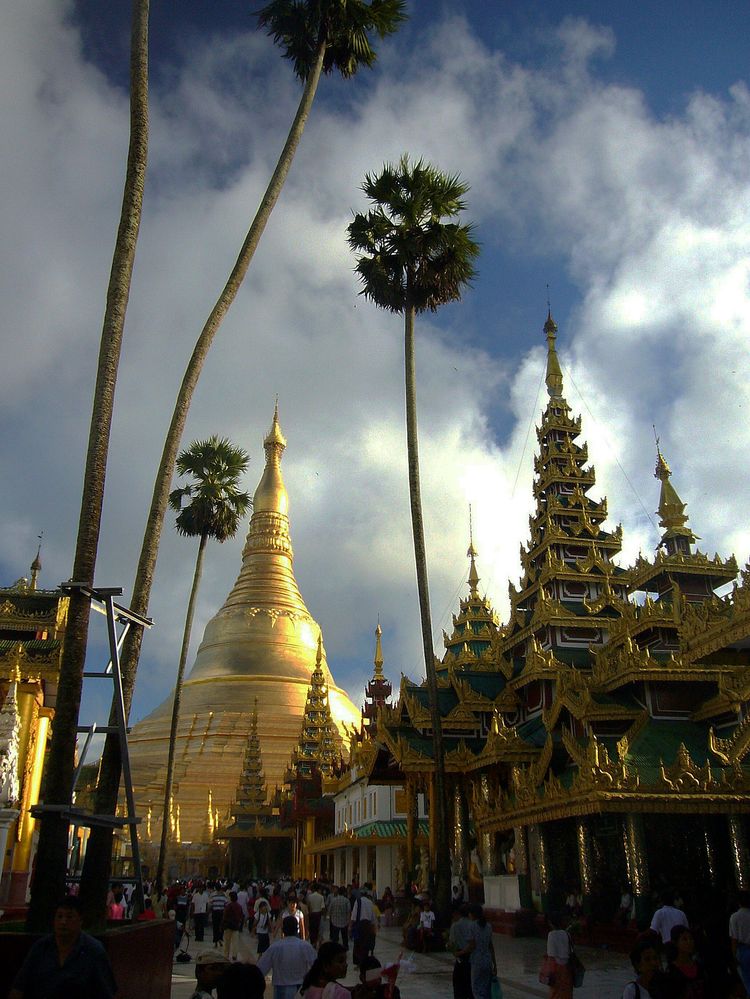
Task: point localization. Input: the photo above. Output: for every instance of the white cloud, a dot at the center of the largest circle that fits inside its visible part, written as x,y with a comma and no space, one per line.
649,217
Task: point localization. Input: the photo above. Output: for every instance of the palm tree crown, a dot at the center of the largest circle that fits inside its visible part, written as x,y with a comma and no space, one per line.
299,27
411,257
215,502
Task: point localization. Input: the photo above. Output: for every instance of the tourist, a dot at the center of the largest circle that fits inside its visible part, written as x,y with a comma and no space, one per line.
339,913
458,939
315,903
558,947
623,915
481,953
199,910
148,912
328,967
241,981
668,916
217,902
116,908
645,960
739,935
66,962
243,897
362,927
684,978
288,959
262,925
209,970
426,926
387,906
410,928
231,925
292,909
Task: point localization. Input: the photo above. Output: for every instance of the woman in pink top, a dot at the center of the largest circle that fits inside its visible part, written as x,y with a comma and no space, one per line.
321,980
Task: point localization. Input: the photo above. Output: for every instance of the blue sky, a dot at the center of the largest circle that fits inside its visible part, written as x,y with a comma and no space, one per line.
606,146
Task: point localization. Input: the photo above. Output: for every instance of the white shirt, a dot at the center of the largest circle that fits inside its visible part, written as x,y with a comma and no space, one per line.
289,959
242,897
426,919
558,945
739,926
362,909
200,902
665,919
314,901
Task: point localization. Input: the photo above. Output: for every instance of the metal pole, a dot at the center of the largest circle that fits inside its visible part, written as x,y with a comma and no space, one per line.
114,648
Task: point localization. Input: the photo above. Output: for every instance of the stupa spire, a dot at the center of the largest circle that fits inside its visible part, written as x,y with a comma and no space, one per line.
378,690
378,660
554,377
472,554
251,794
672,516
36,565
319,745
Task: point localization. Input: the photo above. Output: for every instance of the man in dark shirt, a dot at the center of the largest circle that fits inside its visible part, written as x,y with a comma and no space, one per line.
67,962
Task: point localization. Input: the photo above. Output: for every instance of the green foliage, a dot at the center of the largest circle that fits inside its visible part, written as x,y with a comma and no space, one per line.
299,27
215,503
409,256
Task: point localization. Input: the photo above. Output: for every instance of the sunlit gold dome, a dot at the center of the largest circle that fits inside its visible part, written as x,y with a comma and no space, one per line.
261,644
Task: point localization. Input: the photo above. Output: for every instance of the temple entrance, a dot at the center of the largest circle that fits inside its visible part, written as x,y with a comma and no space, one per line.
690,855
253,857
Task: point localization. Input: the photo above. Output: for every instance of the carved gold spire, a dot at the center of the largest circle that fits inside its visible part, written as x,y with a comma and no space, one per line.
472,554
672,516
260,644
378,660
252,792
320,744
36,566
554,377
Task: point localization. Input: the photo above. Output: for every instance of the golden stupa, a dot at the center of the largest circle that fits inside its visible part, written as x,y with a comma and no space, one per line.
261,645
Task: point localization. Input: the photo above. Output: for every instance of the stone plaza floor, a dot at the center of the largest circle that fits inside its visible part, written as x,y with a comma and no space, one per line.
518,961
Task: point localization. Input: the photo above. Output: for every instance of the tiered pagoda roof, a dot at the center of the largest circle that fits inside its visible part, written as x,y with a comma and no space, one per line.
320,746
588,698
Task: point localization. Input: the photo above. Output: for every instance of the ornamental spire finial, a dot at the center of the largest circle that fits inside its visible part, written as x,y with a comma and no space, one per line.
554,377
378,660
472,554
672,516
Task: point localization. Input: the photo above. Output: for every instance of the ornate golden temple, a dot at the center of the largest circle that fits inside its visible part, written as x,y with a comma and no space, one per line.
260,647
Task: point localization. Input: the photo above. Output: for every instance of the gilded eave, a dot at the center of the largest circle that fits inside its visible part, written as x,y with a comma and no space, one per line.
644,572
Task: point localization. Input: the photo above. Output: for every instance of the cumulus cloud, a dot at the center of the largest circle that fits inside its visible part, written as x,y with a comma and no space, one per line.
648,217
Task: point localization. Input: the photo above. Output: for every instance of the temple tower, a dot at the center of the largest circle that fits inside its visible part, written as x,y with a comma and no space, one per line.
259,648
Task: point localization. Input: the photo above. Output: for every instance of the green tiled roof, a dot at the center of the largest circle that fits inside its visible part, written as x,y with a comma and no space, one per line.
384,830
533,731
660,741
30,645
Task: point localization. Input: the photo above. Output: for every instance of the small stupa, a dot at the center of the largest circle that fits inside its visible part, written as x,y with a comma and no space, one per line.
260,647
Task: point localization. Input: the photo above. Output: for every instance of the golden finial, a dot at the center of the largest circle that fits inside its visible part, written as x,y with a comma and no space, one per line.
36,565
472,554
378,660
554,372
672,516
271,495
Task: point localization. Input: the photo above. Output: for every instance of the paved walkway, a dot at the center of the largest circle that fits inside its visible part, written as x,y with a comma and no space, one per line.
518,964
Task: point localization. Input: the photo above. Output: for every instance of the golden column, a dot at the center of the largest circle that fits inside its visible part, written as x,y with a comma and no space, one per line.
585,860
487,845
637,864
411,826
739,851
521,854
431,790
543,859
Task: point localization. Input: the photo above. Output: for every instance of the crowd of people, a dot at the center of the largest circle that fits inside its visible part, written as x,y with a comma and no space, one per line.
303,932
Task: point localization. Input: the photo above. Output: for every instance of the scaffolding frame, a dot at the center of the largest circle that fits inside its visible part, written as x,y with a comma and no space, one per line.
103,602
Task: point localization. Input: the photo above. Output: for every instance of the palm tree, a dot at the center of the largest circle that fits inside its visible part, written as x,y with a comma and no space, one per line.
412,259
51,858
214,509
318,36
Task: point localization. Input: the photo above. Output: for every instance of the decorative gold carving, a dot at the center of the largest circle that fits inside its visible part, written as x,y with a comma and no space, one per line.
684,776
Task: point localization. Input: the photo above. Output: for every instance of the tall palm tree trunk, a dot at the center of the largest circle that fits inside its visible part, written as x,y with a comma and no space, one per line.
442,859
49,877
99,850
176,708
